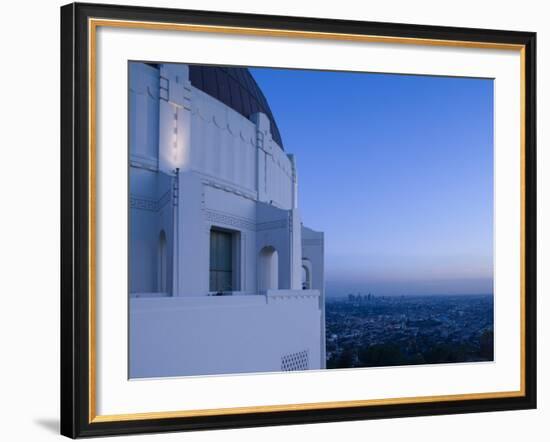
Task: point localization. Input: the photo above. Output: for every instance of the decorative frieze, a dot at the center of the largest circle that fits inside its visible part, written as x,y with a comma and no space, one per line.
228,220
242,223
152,205
141,203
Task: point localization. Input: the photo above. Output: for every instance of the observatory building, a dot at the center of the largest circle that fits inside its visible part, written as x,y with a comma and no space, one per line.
223,276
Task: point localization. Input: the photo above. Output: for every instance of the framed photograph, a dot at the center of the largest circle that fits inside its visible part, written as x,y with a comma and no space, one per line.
275,220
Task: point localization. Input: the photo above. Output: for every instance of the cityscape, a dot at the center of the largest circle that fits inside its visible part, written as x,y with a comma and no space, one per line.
364,330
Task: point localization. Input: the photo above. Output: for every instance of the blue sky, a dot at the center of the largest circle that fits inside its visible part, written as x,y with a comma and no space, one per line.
397,170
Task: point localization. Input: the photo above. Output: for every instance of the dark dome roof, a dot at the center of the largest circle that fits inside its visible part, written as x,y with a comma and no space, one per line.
236,88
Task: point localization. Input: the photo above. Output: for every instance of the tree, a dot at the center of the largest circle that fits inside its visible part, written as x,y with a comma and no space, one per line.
379,355
345,360
486,345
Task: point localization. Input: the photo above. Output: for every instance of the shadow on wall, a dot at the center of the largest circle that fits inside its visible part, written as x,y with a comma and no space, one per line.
51,425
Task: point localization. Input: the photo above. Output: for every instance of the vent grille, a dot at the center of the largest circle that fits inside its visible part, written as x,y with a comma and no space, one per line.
295,361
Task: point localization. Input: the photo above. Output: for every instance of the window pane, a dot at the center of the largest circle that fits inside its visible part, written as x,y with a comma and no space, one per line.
224,281
221,261
213,282
213,241
224,252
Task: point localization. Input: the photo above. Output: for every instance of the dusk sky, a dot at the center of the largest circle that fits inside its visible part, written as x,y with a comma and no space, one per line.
397,171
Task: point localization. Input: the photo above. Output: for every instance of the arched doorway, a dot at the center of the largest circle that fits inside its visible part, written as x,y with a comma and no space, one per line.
162,263
269,269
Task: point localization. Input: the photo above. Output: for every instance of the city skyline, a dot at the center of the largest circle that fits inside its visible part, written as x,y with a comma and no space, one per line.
407,176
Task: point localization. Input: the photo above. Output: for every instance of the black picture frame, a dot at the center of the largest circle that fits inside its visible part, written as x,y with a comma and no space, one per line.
75,221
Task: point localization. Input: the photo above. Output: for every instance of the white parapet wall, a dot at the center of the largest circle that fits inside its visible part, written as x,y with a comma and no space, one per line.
204,335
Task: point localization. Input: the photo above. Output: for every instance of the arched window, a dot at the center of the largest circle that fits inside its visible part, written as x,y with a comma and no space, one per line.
269,269
306,274
162,264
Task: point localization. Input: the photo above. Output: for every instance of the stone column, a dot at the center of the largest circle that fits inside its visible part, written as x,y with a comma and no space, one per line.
263,149
175,156
175,118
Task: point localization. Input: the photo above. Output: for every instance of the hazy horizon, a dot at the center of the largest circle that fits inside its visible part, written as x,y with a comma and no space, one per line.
397,170
342,290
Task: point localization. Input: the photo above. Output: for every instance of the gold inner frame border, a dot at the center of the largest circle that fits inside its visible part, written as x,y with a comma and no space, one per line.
93,24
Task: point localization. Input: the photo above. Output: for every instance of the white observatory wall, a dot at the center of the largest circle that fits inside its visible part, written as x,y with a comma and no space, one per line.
222,334
232,166
144,113
150,191
239,152
279,188
275,169
223,143
174,117
230,175
313,250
